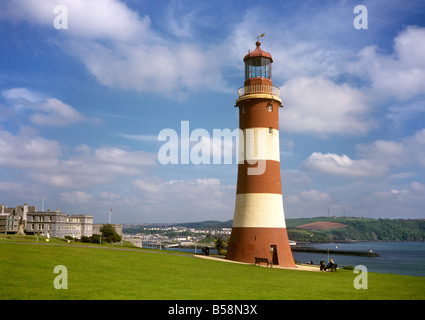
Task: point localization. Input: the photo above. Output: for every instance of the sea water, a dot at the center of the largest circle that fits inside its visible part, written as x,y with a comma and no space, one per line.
405,258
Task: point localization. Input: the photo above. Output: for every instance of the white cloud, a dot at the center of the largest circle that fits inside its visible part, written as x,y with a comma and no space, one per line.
416,147
401,113
384,152
410,196
343,165
193,199
315,195
417,187
45,111
121,49
173,69
27,151
99,166
404,153
10,187
311,203
317,105
76,197
140,137
55,113
109,196
41,160
376,159
106,19
401,75
294,178
21,97
180,19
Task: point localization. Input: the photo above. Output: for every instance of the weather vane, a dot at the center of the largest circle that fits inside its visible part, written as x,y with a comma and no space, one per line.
260,36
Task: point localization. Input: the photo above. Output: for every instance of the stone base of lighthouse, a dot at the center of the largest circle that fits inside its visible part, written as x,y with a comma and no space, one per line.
247,243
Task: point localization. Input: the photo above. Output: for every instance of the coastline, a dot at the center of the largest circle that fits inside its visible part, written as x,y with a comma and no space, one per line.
332,251
399,257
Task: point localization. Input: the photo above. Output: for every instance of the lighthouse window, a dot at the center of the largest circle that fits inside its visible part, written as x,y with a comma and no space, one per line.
258,68
270,130
269,107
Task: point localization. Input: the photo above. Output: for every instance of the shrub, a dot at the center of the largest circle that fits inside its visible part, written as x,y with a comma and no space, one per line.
95,238
109,234
348,267
85,239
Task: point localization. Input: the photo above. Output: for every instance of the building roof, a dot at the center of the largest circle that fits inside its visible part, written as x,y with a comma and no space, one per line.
258,52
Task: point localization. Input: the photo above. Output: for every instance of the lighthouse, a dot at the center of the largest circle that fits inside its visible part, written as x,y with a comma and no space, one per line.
259,228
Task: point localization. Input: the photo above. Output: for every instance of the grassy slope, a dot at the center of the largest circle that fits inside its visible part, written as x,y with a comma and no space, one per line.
359,229
26,272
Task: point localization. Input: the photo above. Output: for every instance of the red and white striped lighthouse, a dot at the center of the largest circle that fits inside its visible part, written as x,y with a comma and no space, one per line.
259,228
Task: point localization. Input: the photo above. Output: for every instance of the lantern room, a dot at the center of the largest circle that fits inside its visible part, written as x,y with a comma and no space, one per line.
258,64
258,75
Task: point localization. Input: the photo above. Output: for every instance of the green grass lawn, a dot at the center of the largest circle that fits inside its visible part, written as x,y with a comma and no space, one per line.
26,272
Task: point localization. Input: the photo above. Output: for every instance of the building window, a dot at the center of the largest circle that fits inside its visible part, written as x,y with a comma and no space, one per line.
270,130
269,108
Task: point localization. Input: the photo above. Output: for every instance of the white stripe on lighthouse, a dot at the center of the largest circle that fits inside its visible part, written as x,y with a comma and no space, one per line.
258,144
260,210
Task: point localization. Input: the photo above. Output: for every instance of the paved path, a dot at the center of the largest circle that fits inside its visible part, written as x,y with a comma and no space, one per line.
297,267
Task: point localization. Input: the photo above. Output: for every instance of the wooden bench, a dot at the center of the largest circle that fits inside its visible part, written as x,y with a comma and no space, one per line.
332,268
265,260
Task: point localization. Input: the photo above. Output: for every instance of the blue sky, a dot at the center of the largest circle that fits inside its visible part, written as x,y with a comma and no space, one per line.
81,108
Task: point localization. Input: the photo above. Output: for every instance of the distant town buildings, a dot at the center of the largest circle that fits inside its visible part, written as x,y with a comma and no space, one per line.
173,236
28,220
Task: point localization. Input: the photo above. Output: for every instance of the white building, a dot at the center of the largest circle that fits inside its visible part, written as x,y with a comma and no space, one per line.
58,224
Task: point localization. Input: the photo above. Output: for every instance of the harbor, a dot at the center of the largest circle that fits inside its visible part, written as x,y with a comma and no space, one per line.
368,253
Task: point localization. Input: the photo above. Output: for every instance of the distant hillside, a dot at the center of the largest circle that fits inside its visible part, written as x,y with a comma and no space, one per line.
325,229
344,229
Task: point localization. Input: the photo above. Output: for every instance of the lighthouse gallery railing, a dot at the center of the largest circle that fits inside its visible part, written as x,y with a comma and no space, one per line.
258,88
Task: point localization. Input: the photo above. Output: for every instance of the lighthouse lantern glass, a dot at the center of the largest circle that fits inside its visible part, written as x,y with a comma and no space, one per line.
258,67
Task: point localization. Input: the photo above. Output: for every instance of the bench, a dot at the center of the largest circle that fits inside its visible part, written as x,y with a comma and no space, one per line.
332,268
265,260
206,251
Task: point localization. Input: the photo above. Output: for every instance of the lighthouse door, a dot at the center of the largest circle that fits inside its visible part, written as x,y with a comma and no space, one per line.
273,252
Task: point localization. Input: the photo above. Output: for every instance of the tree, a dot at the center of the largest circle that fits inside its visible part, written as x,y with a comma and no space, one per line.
109,234
219,245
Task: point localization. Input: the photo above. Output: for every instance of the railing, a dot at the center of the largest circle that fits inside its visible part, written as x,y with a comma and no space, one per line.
258,88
